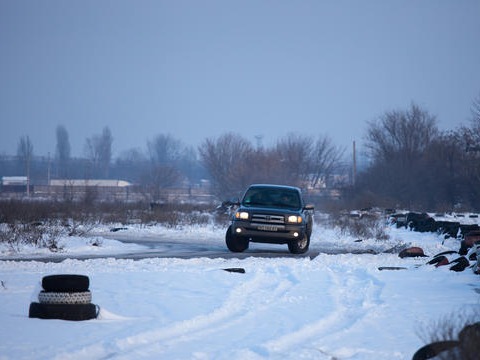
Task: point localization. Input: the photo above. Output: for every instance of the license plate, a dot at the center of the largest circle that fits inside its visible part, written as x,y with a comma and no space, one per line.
268,227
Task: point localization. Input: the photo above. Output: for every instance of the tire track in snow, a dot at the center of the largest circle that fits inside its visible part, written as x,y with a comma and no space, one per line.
349,308
343,296
243,300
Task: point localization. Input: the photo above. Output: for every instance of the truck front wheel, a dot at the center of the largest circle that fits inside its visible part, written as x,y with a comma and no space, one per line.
235,243
299,246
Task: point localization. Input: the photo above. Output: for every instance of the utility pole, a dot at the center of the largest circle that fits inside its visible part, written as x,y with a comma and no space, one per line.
28,174
48,174
354,172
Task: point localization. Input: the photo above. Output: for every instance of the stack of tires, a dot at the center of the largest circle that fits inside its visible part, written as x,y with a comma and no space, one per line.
65,297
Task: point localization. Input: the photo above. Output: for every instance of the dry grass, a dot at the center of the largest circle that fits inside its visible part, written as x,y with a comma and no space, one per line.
361,226
464,327
42,223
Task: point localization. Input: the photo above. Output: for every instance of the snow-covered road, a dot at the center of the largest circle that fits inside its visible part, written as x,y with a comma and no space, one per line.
329,307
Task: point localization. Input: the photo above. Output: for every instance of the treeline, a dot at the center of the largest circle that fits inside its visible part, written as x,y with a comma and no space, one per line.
231,162
166,161
411,163
414,165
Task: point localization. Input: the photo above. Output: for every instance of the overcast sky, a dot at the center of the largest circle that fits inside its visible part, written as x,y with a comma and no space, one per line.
198,69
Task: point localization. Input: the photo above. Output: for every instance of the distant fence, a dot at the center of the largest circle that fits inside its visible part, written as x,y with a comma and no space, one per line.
96,192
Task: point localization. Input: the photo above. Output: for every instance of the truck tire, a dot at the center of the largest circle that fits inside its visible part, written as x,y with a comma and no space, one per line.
50,297
66,283
74,312
235,243
299,246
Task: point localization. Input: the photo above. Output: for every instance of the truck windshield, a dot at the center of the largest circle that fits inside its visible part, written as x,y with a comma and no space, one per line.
272,197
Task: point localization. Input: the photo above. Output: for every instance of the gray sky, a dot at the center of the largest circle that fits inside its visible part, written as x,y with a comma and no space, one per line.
197,69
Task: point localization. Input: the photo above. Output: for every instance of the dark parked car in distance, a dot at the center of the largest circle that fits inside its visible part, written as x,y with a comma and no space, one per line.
273,214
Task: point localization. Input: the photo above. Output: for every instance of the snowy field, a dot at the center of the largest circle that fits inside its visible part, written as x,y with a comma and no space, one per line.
335,306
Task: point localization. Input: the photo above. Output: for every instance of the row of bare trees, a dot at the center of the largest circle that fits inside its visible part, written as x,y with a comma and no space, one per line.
98,150
411,162
233,162
415,165
230,161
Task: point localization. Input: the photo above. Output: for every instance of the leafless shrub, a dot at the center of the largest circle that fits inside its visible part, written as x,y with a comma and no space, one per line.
462,326
96,242
43,223
37,234
10,235
173,215
360,226
196,218
52,233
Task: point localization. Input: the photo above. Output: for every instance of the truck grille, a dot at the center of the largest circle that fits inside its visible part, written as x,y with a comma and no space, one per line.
268,219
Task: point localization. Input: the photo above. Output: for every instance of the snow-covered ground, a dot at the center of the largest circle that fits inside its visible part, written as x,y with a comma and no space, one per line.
335,306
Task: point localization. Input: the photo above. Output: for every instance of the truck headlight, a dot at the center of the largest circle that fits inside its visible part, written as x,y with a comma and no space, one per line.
243,215
295,219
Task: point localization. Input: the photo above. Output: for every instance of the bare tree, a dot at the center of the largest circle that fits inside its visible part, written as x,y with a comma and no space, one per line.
92,155
131,156
295,153
165,149
303,160
98,149
132,164
265,165
165,153
442,173
397,143
233,163
401,135
62,152
325,160
471,134
105,145
25,154
469,139
159,177
227,161
476,111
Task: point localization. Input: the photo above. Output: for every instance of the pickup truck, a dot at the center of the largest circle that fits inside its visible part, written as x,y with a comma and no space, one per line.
273,214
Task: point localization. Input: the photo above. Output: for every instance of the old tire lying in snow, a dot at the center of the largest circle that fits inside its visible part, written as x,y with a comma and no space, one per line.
432,350
65,283
75,312
50,297
461,264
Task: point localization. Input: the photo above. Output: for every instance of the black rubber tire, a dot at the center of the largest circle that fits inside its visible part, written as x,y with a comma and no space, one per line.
432,350
461,264
437,259
74,312
299,246
235,243
449,252
66,283
463,248
51,297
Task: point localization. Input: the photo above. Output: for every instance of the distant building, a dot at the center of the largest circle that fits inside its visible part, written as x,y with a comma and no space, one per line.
14,187
14,180
89,183
78,189
14,184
